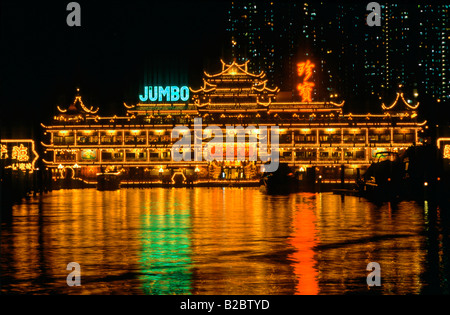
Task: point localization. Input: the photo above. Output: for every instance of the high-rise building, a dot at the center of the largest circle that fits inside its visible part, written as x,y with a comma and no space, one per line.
433,47
251,25
364,65
267,33
354,62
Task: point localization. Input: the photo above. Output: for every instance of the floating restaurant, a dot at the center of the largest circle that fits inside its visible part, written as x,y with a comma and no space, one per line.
316,138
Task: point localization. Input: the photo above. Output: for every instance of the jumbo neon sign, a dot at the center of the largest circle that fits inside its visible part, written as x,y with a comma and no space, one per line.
167,94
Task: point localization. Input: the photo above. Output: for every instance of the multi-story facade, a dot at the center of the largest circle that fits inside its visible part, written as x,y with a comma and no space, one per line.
312,135
362,64
433,51
266,32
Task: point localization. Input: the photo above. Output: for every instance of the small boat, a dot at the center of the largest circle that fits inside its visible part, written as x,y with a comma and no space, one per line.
281,182
108,181
383,179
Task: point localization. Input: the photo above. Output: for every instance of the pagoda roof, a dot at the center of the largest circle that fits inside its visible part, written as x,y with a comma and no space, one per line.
234,69
254,83
399,101
77,107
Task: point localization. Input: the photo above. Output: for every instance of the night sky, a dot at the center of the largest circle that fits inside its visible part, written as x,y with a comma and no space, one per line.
120,46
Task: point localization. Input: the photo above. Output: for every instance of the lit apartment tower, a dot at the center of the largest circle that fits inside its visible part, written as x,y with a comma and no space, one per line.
399,44
362,64
251,25
315,44
433,40
266,32
367,64
348,53
408,52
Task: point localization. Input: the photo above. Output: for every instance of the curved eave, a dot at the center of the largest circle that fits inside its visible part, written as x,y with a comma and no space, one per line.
91,111
60,109
399,95
47,162
87,110
338,105
265,88
203,105
128,106
422,123
202,89
413,107
264,104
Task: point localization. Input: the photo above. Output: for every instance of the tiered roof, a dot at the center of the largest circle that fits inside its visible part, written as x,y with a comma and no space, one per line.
234,86
399,105
77,107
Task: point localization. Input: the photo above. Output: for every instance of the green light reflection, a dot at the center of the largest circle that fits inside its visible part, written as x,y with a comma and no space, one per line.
166,253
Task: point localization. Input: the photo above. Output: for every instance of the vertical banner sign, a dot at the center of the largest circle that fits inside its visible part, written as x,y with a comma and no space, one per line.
305,88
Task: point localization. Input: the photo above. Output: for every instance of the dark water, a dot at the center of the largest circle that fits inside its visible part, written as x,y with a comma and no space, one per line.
221,241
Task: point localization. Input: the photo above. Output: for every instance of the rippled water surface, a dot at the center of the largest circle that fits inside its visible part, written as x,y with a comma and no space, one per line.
221,241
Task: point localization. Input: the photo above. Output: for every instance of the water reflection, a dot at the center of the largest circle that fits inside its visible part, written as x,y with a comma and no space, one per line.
166,248
221,241
304,239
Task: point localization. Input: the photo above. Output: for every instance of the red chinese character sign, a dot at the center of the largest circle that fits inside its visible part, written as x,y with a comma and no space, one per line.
305,88
19,154
4,152
447,151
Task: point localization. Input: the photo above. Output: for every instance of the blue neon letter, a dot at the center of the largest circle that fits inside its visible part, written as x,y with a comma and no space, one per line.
152,93
174,93
164,92
145,97
184,93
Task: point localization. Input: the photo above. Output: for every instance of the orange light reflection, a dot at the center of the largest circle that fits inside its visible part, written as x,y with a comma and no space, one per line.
304,239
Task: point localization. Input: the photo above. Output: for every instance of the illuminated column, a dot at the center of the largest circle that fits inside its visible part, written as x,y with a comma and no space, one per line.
75,137
98,137
292,147
415,136
367,136
342,135
392,136
317,136
123,138
146,137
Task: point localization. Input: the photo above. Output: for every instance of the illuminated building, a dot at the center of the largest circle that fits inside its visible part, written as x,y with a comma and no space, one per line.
312,135
251,26
434,59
